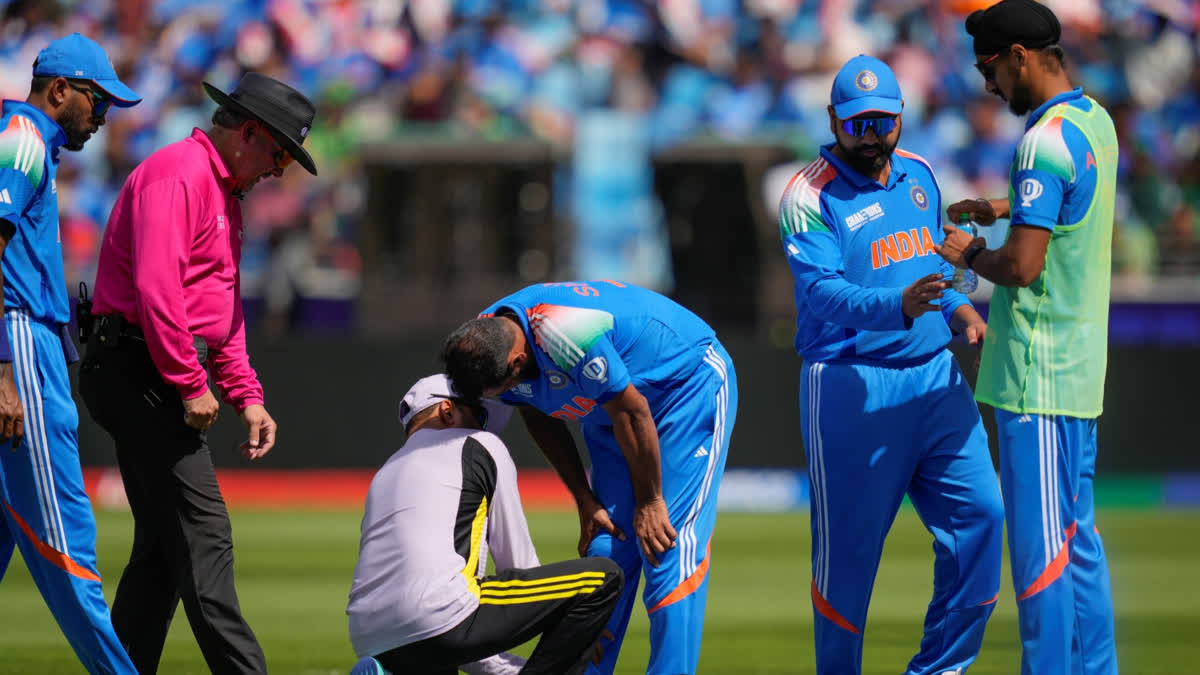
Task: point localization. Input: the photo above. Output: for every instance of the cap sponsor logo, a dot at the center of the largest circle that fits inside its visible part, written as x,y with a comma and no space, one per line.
1030,189
523,389
866,80
596,369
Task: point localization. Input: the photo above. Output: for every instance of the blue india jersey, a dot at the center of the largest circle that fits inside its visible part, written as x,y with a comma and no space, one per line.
853,246
592,339
33,265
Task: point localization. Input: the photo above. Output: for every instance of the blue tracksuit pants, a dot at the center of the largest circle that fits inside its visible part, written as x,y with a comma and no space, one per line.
693,436
46,511
872,435
1060,573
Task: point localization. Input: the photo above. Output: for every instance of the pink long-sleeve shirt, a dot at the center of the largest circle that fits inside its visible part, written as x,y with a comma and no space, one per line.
169,264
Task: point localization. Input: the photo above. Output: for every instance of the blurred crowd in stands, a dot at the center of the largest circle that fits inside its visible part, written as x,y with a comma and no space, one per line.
612,82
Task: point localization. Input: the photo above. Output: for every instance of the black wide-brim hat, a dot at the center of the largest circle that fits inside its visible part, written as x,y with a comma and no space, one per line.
287,113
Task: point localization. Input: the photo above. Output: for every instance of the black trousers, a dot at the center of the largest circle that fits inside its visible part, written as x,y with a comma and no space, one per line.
567,603
182,541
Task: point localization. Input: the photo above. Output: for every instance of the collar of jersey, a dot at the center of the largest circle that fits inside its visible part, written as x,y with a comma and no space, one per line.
1075,93
859,181
52,133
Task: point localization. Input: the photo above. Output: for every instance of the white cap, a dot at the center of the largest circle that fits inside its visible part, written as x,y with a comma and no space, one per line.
427,392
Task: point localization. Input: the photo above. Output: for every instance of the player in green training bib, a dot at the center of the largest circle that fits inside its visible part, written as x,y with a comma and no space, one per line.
1045,354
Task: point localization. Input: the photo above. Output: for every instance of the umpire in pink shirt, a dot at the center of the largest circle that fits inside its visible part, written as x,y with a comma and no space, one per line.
167,315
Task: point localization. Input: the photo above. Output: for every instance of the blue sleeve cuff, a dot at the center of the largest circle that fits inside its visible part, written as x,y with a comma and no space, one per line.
951,301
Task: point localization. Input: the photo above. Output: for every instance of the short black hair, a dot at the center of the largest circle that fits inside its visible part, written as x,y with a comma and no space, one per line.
476,355
228,117
39,83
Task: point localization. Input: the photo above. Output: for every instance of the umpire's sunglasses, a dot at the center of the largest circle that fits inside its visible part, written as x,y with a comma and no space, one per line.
478,411
857,126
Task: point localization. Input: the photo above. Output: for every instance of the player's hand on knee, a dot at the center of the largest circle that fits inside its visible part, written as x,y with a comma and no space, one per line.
652,524
593,519
201,412
917,298
12,412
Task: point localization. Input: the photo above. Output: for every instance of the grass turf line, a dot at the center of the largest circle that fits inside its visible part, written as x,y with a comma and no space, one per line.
294,570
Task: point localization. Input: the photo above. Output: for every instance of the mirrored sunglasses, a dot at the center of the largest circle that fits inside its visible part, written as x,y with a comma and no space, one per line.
857,126
101,104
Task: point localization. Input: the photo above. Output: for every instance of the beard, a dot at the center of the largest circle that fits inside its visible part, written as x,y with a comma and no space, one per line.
1021,101
868,165
76,126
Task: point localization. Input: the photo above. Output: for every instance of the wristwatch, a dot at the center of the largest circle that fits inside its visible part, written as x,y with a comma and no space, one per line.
971,252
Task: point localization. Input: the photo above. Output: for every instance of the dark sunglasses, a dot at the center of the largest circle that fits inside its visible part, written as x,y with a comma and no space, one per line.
101,104
857,126
987,67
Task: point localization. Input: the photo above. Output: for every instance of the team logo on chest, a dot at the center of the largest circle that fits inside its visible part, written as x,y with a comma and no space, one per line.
919,197
557,380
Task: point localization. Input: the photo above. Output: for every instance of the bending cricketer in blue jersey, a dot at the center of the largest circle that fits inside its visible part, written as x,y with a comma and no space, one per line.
45,510
885,409
656,395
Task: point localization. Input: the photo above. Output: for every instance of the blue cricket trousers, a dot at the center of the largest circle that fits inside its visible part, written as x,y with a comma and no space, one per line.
693,436
873,434
1060,573
46,511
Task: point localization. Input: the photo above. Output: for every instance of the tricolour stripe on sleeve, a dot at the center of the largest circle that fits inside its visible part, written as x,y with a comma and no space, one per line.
800,206
1043,148
22,148
567,333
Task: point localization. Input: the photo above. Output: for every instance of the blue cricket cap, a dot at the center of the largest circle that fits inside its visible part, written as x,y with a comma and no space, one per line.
77,57
865,84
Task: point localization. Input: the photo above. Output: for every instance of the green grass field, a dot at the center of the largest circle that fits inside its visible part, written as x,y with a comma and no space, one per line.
294,572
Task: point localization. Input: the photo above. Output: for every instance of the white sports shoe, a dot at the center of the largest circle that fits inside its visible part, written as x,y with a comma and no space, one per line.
368,666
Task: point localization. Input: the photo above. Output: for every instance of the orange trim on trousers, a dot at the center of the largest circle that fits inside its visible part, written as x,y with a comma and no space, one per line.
1055,569
689,584
57,558
826,610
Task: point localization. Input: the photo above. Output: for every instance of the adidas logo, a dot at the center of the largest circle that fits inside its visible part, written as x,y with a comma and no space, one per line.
4,198
702,452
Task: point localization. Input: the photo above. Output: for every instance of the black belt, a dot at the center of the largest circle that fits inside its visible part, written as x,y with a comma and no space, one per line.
112,329
109,328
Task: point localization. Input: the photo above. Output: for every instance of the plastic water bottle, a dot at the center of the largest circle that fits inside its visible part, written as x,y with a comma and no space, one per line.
966,281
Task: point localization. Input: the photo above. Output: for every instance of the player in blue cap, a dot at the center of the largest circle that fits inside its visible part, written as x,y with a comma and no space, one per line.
45,509
886,412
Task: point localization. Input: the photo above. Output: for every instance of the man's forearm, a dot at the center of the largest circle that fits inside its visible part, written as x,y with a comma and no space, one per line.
557,444
1000,267
964,315
638,438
